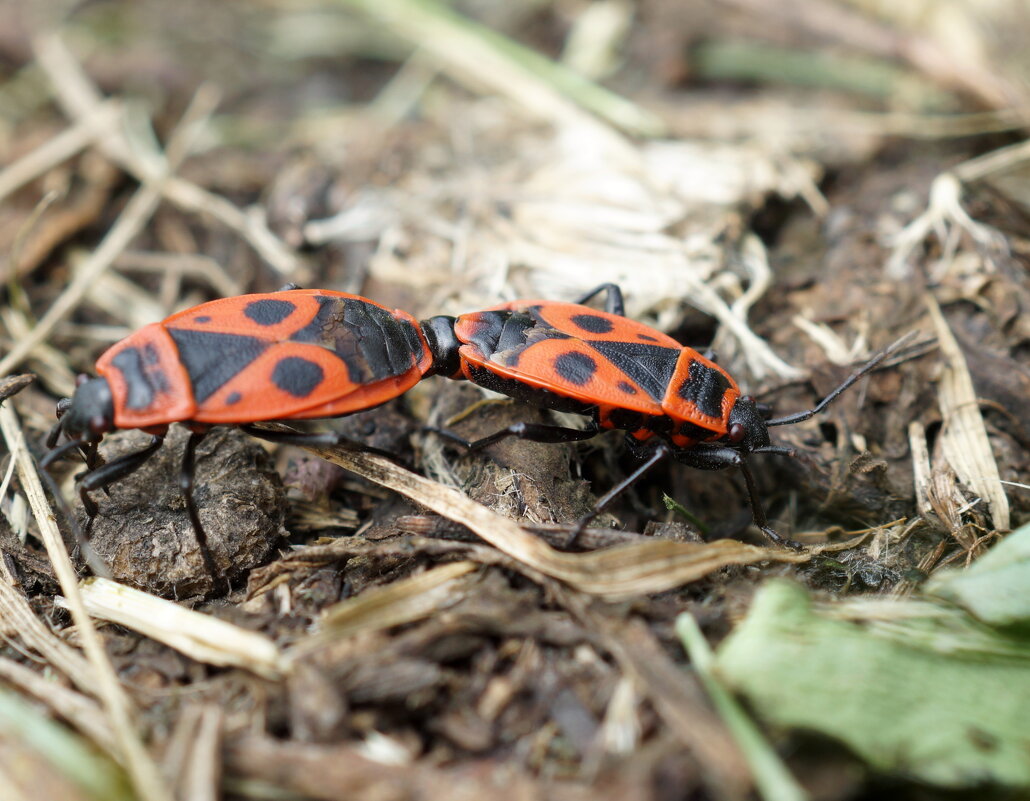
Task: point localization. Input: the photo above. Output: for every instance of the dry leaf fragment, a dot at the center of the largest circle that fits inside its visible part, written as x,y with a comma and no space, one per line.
963,436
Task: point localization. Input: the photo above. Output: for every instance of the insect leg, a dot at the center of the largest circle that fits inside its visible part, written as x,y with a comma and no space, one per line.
105,475
661,452
321,439
289,287
613,303
53,435
186,476
534,432
59,452
714,457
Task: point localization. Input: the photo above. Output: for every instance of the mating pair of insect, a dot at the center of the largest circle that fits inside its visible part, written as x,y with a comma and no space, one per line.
313,353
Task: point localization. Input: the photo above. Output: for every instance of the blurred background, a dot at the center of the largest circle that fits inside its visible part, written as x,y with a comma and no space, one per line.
796,184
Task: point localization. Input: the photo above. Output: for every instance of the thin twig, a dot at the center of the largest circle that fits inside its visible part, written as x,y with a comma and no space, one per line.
79,99
141,768
622,572
60,148
129,224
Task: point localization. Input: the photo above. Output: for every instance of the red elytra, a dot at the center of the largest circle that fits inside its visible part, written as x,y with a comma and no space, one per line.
281,356
288,355
626,374
671,400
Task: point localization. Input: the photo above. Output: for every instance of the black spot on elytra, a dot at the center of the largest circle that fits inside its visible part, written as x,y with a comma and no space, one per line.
593,323
150,355
647,338
269,312
576,368
140,394
629,389
705,387
233,398
202,319
297,376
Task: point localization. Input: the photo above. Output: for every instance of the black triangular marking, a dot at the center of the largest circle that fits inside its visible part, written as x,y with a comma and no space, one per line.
212,359
650,366
705,387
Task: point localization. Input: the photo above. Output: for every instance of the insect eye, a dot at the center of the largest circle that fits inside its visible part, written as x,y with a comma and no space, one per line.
736,432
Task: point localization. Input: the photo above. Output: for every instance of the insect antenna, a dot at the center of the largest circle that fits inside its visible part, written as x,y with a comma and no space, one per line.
868,367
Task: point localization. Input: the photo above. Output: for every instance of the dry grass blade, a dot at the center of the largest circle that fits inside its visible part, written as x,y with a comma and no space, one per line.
398,602
198,636
129,224
193,756
920,467
964,435
621,572
79,98
61,148
137,761
18,616
676,695
83,713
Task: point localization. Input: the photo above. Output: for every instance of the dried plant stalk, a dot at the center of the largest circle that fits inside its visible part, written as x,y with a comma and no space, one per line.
616,573
146,779
963,437
398,602
198,636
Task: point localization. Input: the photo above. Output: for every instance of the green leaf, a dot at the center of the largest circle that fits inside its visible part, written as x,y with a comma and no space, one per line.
907,705
996,587
675,506
46,759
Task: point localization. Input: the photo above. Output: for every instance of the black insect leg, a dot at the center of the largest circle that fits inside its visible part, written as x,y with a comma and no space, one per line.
660,453
541,432
326,439
105,475
289,287
186,476
613,303
533,432
60,451
54,434
92,455
715,457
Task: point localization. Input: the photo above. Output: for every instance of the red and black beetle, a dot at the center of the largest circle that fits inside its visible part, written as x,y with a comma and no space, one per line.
290,355
671,400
